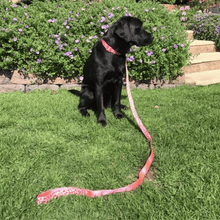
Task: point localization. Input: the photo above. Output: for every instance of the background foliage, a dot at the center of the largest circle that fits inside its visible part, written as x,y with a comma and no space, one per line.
55,39
205,26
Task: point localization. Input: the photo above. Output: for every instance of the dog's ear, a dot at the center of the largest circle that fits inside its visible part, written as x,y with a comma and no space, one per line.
122,30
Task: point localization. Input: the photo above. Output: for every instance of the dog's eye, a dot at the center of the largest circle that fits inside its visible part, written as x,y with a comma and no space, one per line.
137,30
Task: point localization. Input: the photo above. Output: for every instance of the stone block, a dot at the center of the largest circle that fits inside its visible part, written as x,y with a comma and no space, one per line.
11,88
22,79
5,76
41,87
143,86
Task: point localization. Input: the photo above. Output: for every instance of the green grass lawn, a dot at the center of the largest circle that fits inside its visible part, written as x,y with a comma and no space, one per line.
45,143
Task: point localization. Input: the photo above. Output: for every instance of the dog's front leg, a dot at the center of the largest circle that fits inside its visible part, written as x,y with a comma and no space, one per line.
117,104
100,105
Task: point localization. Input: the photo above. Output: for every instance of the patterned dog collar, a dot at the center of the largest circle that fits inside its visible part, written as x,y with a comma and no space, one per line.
109,48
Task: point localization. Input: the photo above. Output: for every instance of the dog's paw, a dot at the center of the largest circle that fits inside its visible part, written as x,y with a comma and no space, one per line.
102,122
84,112
119,115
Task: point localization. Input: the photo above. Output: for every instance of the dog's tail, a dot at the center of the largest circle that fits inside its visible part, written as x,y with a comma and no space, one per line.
75,92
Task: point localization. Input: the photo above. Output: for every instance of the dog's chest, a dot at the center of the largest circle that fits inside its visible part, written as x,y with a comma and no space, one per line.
115,73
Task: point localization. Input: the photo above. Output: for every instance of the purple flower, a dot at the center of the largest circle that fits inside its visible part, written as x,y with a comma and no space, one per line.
104,27
141,61
76,41
164,50
118,8
15,6
25,6
20,30
184,13
6,9
77,14
76,48
65,23
146,10
51,21
88,41
57,41
81,78
67,53
60,46
37,52
15,19
175,46
83,9
71,56
127,14
31,49
153,9
95,36
102,19
182,45
39,61
15,38
131,58
162,27
154,28
82,36
26,26
67,27
23,70
7,59
26,14
110,15
70,12
150,53
183,18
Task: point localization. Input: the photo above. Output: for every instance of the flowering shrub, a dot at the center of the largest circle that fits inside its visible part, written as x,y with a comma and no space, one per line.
56,39
206,26
203,5
184,13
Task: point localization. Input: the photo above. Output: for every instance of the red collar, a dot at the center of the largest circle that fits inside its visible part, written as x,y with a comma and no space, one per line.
109,48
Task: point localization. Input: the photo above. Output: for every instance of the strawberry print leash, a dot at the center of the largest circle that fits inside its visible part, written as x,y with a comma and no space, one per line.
54,193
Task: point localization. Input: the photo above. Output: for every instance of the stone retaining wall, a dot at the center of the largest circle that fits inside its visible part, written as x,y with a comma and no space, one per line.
11,81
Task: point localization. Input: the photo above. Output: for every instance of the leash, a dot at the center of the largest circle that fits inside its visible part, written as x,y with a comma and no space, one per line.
54,193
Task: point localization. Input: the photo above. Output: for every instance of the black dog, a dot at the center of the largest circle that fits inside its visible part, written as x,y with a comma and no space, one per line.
104,69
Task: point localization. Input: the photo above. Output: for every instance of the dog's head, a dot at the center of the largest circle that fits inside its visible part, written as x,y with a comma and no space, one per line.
130,29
